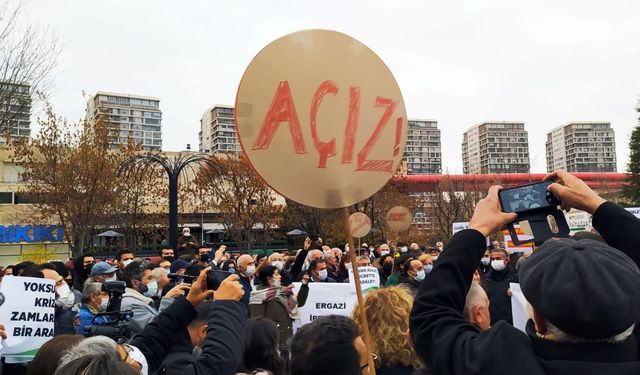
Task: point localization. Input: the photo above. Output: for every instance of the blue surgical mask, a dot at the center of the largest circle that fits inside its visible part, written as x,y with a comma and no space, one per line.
152,289
232,270
428,268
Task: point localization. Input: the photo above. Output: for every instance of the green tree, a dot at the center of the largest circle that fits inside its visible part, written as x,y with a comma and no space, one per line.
632,190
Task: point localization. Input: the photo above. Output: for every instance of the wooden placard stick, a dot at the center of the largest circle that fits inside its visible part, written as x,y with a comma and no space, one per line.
356,279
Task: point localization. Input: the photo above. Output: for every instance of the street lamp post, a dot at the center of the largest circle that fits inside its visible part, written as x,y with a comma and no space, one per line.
173,166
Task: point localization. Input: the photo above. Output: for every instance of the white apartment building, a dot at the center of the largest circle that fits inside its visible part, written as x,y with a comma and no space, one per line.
130,117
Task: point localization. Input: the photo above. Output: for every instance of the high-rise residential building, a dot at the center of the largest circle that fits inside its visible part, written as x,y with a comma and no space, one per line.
130,117
582,147
15,110
217,130
496,147
423,152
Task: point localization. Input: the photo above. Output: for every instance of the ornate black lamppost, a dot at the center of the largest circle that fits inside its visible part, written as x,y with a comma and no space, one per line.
173,166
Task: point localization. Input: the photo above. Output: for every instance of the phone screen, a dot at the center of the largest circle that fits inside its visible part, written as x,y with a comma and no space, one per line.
525,198
215,278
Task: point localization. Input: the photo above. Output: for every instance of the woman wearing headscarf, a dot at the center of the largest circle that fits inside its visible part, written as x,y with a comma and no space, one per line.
276,302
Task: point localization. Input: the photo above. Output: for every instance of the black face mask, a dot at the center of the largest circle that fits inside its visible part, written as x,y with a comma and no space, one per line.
169,258
204,258
87,269
387,267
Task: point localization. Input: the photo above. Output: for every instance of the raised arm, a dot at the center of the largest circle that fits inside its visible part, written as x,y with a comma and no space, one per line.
442,337
616,225
302,255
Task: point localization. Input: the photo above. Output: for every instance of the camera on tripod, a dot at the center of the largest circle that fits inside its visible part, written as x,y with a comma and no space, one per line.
112,323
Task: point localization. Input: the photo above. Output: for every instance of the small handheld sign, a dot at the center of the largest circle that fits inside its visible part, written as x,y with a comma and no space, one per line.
360,224
399,218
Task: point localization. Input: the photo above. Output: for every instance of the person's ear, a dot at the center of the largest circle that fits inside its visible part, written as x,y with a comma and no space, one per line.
540,322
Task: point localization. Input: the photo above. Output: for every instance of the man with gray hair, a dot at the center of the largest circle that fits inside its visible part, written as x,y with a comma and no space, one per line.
476,307
585,297
94,301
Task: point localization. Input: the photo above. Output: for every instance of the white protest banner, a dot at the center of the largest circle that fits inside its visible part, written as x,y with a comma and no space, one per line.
634,210
369,278
578,221
459,227
518,309
326,299
27,315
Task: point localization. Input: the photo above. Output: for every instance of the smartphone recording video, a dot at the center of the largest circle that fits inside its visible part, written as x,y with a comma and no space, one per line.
527,198
215,278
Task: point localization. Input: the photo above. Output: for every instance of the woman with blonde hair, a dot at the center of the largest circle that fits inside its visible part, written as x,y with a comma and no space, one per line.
388,312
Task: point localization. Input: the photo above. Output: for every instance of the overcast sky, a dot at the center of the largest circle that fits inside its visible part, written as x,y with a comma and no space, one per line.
545,63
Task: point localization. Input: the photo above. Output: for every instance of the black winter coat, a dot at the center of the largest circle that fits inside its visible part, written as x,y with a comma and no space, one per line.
497,284
223,346
450,345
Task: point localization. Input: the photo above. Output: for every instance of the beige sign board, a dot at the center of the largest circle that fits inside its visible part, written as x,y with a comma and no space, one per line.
399,218
321,118
359,224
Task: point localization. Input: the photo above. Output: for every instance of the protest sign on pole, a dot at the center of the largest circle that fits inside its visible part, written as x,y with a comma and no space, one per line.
369,278
399,218
323,106
360,224
318,105
27,314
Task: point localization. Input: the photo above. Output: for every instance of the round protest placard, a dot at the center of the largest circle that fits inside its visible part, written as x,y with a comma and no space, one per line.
359,225
399,218
321,118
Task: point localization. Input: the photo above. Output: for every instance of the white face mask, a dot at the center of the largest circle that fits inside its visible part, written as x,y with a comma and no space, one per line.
347,266
103,304
112,278
384,252
420,275
498,265
278,264
371,249
404,249
276,284
127,262
434,258
251,270
322,275
65,296
486,261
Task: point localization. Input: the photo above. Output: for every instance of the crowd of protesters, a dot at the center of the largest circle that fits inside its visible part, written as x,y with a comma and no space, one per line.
437,310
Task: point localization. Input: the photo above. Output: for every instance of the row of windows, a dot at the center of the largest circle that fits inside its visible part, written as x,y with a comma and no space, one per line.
7,197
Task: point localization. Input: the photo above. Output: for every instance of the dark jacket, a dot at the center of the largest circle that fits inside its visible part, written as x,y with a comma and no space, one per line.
450,345
278,313
296,268
497,284
223,346
248,288
410,285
